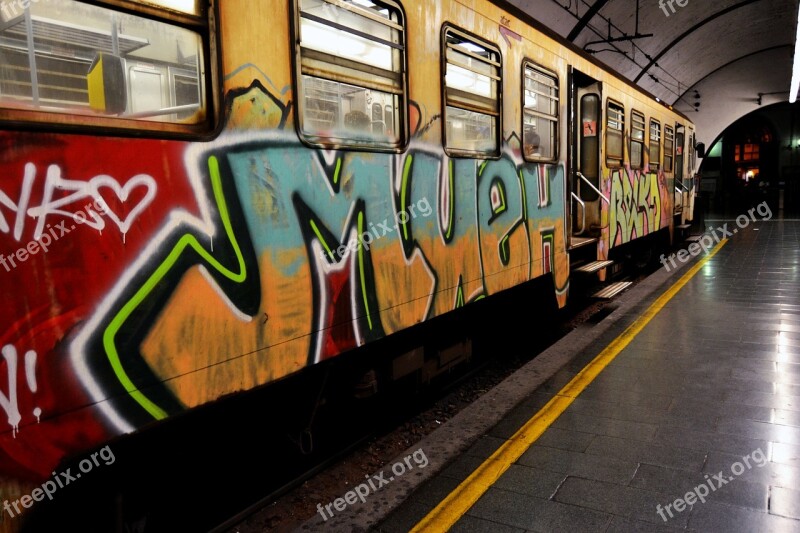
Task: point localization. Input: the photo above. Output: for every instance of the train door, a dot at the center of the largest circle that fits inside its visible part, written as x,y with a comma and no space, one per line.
680,171
691,176
585,105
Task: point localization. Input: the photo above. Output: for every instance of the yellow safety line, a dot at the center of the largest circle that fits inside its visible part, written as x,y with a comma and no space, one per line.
458,502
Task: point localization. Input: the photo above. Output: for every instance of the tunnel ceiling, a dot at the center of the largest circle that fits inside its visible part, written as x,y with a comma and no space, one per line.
727,52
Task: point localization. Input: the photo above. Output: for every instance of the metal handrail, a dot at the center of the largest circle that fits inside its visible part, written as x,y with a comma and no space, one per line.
589,183
583,220
684,187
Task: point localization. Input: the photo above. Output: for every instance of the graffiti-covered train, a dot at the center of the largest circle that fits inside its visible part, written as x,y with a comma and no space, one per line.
197,200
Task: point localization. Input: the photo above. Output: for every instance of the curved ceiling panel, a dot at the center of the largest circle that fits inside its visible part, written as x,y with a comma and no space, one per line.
727,51
733,91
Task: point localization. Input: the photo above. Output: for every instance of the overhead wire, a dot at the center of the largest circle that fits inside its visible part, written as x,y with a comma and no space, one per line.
677,84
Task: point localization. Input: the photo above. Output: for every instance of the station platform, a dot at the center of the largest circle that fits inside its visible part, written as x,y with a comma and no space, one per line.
680,410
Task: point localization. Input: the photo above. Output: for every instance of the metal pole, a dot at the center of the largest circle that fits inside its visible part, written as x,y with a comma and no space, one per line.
114,36
32,57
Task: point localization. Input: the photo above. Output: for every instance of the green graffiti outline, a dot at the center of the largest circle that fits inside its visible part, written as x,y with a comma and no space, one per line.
322,240
337,171
186,241
363,280
403,194
448,235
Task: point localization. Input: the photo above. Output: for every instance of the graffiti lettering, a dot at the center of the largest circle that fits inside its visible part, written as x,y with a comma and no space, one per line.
9,402
51,205
636,206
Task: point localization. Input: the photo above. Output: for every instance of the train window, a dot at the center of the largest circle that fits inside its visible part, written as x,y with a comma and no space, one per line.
615,130
70,58
540,114
669,147
472,81
351,65
655,144
637,140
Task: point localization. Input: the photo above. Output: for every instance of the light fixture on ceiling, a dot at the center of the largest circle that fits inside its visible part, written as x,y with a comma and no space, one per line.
796,67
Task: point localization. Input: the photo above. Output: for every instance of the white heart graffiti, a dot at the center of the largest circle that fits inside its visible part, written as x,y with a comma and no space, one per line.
140,180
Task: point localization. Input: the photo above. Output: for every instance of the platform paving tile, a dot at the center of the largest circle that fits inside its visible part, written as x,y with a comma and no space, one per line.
767,375
590,466
628,502
737,492
698,407
772,473
706,441
565,439
605,426
667,383
609,409
778,356
635,413
758,342
531,481
766,431
783,325
718,517
535,514
625,525
762,385
647,452
776,337
652,344
787,418
706,373
624,397
472,524
758,365
786,454
763,399
785,502
733,385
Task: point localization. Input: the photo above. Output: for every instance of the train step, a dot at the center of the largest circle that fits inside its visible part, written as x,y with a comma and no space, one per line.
608,292
693,238
594,266
683,226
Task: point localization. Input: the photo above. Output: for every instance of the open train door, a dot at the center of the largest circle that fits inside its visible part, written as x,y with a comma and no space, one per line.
680,188
585,135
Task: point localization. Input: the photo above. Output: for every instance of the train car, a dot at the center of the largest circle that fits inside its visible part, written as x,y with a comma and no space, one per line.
197,199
